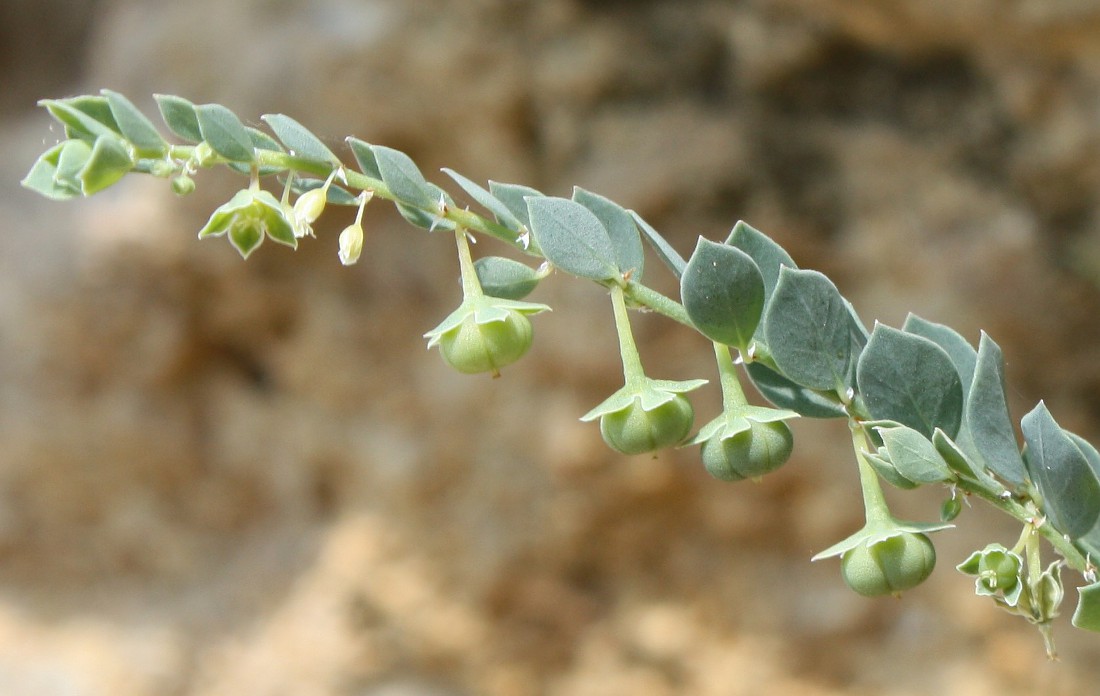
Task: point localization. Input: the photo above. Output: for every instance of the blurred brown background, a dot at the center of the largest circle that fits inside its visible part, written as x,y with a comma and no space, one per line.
224,478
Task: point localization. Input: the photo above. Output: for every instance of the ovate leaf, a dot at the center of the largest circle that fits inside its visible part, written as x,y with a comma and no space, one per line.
911,380
179,115
914,455
135,126
403,177
299,140
572,238
224,132
109,162
491,203
987,418
42,177
786,394
812,334
501,277
669,256
723,293
1067,484
625,239
514,197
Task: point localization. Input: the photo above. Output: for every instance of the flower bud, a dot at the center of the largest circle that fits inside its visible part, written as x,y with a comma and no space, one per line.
635,430
351,244
472,348
889,566
751,453
183,185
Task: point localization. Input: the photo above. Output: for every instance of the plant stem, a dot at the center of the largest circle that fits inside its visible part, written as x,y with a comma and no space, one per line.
874,501
632,362
732,394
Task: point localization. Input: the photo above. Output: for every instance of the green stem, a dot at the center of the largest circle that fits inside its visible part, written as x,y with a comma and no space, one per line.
732,394
632,362
648,297
874,501
471,286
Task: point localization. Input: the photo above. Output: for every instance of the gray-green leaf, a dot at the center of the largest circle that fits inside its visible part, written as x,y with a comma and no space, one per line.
299,140
723,293
135,126
625,238
224,132
179,115
514,197
911,380
501,277
403,177
811,333
572,238
669,256
987,418
1066,482
914,455
491,203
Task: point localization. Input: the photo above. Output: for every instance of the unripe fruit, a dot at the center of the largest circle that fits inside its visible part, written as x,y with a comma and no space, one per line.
890,566
751,453
634,430
473,348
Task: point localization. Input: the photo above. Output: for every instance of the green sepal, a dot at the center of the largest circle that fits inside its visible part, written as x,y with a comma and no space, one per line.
650,394
179,115
247,218
997,573
43,179
135,126
872,534
109,161
736,420
505,278
484,309
723,293
1087,614
224,132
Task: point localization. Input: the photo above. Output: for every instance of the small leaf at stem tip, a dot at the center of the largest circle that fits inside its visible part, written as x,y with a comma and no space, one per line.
110,161
42,177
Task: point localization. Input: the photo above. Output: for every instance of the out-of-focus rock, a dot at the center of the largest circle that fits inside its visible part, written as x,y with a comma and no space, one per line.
224,478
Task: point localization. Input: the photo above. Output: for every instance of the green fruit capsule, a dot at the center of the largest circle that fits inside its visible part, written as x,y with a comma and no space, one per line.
751,453
890,566
473,348
633,430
